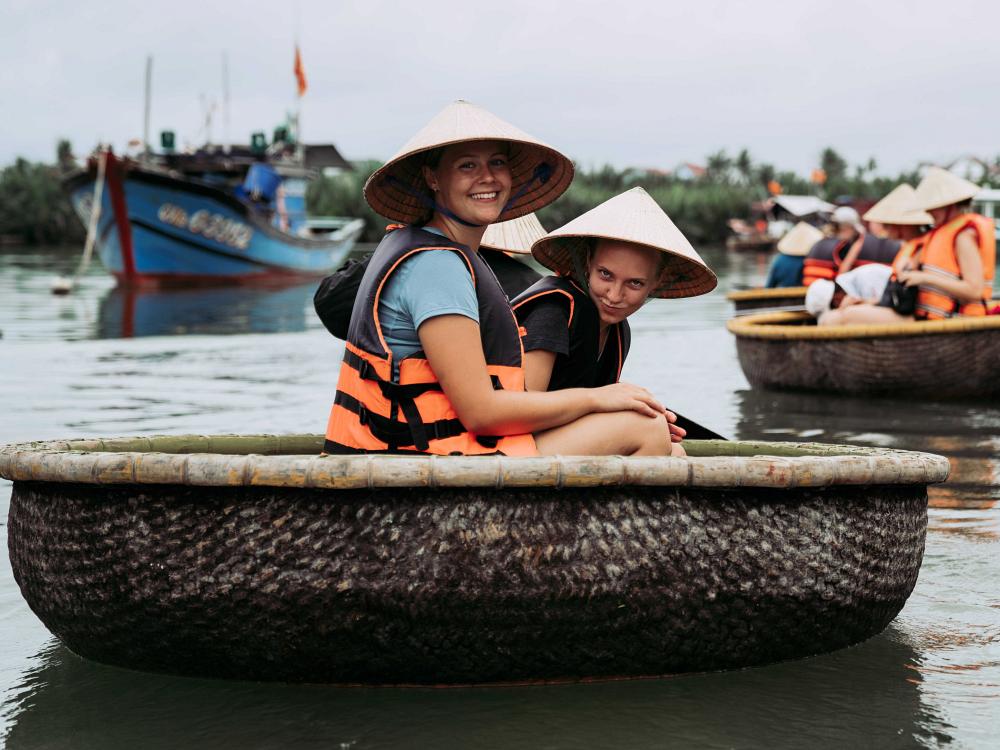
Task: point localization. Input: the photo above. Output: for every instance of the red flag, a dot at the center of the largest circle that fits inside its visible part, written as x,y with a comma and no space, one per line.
300,73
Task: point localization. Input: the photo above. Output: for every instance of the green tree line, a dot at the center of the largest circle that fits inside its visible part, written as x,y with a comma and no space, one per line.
33,207
35,210
699,205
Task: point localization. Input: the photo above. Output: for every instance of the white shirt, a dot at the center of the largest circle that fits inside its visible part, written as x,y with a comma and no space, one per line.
866,282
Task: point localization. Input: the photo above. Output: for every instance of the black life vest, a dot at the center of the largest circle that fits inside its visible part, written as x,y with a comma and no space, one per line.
384,406
585,366
827,255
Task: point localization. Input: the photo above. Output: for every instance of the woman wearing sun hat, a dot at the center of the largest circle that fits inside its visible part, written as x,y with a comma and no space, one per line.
433,360
786,268
609,261
952,265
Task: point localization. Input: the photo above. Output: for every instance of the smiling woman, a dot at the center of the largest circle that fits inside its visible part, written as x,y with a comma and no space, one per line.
609,261
433,361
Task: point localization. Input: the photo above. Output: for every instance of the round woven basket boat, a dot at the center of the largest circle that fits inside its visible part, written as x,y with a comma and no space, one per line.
251,557
957,358
766,299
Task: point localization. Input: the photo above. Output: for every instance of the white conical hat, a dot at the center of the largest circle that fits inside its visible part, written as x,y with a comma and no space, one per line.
633,217
941,188
799,240
897,208
514,236
541,174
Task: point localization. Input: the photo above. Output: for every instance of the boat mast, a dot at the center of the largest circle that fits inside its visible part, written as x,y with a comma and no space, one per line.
147,96
227,140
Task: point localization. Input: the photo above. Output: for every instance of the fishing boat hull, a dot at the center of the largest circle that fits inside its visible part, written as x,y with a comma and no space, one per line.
157,228
751,244
948,359
351,573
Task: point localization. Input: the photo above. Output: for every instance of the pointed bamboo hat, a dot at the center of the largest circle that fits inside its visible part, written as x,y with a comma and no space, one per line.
541,174
514,236
897,208
799,240
941,188
632,217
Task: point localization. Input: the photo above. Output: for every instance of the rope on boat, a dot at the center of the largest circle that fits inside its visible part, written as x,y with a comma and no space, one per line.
292,461
64,285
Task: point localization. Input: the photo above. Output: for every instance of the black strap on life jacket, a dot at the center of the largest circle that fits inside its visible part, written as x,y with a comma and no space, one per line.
414,430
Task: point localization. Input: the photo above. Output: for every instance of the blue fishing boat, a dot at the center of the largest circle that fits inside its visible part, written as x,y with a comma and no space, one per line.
218,215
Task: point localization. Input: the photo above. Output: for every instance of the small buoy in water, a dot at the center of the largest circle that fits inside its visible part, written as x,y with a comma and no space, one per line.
62,285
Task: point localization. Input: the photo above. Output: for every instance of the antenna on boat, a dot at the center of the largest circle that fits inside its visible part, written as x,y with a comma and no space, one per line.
64,284
147,95
227,141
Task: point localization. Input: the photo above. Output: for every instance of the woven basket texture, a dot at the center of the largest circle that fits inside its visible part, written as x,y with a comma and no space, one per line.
453,586
761,299
959,365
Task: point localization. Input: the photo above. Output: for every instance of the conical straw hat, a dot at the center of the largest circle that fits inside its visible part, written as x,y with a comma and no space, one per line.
395,189
634,217
941,188
799,240
897,208
514,236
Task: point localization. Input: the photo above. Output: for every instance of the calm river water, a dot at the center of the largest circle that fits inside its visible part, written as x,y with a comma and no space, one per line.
103,362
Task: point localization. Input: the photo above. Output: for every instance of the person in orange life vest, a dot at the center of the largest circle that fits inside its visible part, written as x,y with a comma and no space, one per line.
850,247
433,358
608,262
901,222
952,266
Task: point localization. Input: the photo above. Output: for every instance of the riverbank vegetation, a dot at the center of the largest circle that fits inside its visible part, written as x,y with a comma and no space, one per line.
34,210
698,201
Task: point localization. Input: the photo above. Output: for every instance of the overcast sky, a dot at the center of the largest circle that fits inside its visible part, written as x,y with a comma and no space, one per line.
645,83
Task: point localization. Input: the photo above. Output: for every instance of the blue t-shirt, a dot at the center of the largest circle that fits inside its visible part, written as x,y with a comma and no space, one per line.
426,285
786,270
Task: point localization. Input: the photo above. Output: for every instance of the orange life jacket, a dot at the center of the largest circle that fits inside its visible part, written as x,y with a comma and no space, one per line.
935,254
382,406
822,260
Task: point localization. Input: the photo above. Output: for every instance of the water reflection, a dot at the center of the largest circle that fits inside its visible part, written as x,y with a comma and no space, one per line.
872,691
127,313
966,433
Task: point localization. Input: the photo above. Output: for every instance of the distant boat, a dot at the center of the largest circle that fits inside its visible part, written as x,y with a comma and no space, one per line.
215,216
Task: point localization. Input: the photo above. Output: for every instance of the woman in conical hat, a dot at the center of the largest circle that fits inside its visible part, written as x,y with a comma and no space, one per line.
786,268
433,358
896,213
951,266
609,261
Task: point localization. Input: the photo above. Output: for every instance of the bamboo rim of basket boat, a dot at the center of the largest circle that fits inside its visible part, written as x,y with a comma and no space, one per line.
746,295
293,461
786,325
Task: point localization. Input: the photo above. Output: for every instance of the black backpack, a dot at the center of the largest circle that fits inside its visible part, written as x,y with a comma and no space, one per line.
334,299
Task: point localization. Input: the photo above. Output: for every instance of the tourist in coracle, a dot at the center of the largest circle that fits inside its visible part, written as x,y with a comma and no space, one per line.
609,262
433,361
334,298
850,247
786,268
951,267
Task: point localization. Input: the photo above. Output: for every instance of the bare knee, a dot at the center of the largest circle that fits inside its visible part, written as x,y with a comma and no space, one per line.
653,437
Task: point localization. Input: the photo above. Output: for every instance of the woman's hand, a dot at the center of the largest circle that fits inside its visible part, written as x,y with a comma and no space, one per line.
628,397
913,278
676,433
